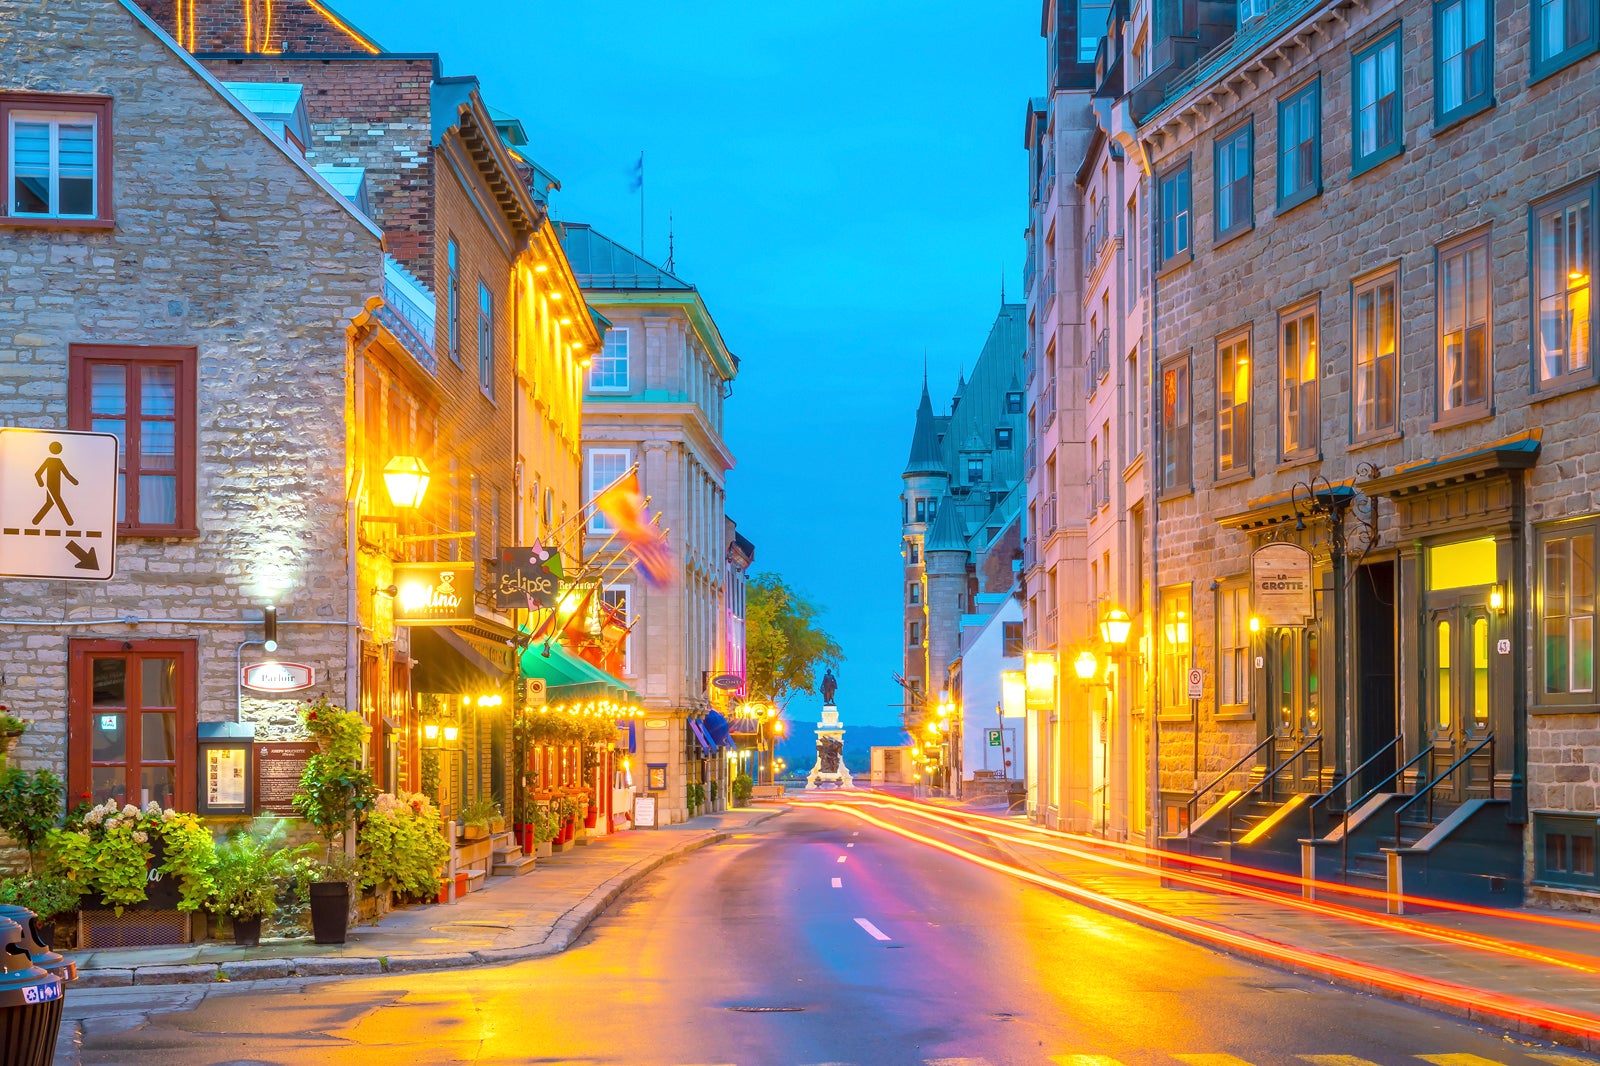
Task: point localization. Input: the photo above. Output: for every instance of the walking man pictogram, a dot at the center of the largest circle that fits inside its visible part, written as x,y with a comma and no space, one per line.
49,476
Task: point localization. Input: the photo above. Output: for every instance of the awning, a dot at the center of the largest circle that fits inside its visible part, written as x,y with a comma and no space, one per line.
744,725
716,726
447,663
701,737
567,677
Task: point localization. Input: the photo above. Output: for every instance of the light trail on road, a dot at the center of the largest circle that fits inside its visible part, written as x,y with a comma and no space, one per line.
1476,1003
1460,938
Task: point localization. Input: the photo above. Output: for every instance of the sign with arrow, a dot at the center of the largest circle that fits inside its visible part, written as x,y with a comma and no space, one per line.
58,504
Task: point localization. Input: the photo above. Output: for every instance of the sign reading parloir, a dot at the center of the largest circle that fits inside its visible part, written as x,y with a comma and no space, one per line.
277,677
58,504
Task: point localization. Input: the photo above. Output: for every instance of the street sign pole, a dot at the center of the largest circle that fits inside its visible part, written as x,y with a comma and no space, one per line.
1197,689
58,504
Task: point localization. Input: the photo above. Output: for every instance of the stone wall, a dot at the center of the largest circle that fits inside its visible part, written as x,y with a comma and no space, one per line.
225,244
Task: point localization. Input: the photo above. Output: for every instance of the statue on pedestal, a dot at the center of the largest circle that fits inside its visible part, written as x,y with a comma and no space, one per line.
830,750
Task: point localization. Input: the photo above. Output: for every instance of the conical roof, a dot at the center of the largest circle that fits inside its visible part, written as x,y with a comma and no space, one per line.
925,457
948,533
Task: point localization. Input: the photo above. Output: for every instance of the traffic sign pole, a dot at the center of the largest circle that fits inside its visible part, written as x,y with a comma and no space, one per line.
1197,689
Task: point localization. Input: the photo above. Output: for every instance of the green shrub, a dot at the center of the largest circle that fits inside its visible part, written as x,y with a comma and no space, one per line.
401,846
30,806
251,871
46,895
742,788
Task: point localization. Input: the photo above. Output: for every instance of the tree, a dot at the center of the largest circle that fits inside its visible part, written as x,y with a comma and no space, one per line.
785,648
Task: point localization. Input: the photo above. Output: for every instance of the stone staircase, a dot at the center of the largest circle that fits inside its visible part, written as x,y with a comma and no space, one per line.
508,859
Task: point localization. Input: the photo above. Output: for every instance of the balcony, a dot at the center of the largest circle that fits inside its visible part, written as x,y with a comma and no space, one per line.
1047,516
408,312
1092,375
1102,481
1030,459
1049,630
1047,404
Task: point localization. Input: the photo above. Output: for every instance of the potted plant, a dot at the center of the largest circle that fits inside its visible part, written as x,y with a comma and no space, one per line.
546,827
334,791
48,896
476,819
112,853
742,788
246,878
402,848
11,728
30,806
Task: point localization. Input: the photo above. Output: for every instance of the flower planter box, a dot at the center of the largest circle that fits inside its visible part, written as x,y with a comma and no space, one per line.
543,849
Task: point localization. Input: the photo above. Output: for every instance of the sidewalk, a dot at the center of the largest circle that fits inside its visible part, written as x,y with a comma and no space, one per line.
1566,979
525,917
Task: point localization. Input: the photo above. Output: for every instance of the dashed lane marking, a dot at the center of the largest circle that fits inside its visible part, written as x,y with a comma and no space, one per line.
1084,1060
1562,1060
838,882
955,1062
1335,1060
849,845
873,931
1211,1060
841,858
1458,1060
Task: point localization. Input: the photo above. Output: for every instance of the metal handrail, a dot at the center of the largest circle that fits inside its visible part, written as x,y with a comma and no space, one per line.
1339,786
1344,825
1194,799
1298,753
1486,742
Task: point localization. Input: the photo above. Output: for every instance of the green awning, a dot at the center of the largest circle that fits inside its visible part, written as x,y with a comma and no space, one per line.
568,677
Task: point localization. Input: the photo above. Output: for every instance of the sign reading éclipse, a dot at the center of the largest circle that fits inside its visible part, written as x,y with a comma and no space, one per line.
58,504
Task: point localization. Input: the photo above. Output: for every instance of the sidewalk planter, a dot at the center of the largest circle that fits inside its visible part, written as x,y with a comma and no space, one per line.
247,932
543,849
330,911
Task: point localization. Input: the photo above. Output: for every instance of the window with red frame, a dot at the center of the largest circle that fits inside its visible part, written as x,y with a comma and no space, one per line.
55,159
146,396
131,728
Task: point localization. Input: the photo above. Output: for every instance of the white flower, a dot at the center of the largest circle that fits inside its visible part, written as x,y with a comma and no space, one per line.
141,837
152,807
130,811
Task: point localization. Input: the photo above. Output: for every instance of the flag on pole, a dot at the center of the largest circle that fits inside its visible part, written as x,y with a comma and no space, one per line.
622,503
637,182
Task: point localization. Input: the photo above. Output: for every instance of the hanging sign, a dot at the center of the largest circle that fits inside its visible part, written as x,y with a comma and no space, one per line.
528,578
277,677
1281,585
433,594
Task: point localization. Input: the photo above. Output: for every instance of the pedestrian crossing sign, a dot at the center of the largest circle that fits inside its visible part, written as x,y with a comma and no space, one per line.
58,504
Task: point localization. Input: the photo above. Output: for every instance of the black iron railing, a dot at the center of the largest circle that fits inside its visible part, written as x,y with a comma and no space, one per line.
1195,799
1271,777
1338,790
1344,834
1427,793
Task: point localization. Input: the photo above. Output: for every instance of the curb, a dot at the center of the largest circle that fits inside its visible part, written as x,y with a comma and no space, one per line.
1478,1016
561,935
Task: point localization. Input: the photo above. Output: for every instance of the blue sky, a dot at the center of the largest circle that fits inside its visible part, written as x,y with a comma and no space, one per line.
846,181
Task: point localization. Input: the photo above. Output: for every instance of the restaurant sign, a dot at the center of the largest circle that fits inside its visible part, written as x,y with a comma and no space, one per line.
433,594
277,677
1281,585
528,578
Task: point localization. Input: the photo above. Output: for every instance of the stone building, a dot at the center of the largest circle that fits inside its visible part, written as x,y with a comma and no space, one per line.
1372,252
176,273
654,401
961,516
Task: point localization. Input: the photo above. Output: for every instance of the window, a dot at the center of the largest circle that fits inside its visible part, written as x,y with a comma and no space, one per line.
1463,303
1376,120
914,593
914,556
605,466
1564,264
1250,10
1233,646
1564,848
1235,180
1175,215
1567,599
1092,19
914,634
923,511
1177,648
614,598
1235,438
609,373
485,340
1132,394
1300,409
1014,403
1563,31
1376,359
1011,640
452,299
1176,444
974,471
1002,438
1300,146
1463,57
131,728
146,396
55,157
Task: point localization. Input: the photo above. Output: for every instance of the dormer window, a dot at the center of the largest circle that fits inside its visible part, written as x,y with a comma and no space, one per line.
1250,10
280,106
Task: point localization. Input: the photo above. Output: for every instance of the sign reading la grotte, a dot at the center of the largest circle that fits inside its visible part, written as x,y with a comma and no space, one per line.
1280,585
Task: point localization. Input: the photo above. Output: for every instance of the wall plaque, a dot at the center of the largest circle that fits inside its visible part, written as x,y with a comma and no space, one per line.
279,765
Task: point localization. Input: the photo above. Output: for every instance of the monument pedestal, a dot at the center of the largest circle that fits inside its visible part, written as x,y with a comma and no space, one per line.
830,752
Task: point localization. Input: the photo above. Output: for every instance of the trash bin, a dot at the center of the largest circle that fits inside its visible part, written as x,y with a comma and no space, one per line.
47,960
30,1003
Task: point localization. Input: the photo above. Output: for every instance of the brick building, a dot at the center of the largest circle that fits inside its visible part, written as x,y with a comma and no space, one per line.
1372,252
176,273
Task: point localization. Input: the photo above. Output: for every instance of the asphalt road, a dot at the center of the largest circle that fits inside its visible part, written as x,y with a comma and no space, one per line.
814,940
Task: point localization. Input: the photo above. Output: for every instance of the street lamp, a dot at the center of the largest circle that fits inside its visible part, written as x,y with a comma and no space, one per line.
1114,627
1085,665
406,477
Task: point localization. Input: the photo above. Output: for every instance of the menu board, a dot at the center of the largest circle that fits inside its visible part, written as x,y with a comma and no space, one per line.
644,812
224,776
278,769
